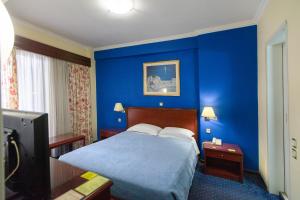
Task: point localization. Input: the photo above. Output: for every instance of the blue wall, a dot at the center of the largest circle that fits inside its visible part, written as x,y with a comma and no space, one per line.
228,82
217,69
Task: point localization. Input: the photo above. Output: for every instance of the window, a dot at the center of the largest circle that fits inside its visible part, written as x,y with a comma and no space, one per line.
33,82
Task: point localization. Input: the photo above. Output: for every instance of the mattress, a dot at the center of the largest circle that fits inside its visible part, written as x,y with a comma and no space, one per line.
141,166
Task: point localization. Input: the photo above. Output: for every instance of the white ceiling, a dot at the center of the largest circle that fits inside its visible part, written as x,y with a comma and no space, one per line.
89,23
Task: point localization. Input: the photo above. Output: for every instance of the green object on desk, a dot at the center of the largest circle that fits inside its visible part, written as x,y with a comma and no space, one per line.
88,175
90,186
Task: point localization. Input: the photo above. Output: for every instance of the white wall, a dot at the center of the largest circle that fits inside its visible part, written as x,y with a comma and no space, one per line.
276,12
33,32
44,36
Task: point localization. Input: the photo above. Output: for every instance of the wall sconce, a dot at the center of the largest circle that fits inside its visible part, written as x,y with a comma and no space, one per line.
119,108
208,113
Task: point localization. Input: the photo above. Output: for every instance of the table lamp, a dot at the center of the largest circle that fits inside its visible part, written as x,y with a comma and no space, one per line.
208,113
119,107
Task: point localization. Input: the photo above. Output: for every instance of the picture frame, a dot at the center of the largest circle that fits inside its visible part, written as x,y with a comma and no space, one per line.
162,78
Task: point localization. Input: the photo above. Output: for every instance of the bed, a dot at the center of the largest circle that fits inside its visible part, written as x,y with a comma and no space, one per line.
144,166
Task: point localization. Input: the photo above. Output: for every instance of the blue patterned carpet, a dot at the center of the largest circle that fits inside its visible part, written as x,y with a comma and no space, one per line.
207,187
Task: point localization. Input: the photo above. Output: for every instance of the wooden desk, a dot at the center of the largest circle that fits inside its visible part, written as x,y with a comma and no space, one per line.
65,177
65,139
224,161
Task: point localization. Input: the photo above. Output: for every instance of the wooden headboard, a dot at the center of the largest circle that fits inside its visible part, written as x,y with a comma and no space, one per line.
164,117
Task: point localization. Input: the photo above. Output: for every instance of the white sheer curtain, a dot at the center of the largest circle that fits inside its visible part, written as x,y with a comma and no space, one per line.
43,87
59,114
33,81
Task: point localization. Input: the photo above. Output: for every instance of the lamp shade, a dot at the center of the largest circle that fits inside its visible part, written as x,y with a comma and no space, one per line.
119,107
208,113
7,34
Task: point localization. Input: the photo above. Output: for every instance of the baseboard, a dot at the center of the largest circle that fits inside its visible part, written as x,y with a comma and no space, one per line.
263,181
283,196
251,171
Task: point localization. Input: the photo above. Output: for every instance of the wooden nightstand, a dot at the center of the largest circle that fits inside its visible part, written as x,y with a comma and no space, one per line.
106,133
225,161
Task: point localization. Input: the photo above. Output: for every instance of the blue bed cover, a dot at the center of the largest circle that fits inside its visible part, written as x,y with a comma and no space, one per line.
141,166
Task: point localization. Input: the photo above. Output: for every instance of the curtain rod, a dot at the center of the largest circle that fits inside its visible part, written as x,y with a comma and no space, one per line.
47,50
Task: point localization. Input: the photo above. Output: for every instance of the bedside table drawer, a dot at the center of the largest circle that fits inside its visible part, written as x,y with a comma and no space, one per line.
223,155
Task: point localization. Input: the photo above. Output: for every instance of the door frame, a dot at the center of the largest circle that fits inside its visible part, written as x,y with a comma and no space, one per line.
281,37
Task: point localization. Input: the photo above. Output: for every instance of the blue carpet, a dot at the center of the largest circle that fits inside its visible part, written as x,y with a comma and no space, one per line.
207,187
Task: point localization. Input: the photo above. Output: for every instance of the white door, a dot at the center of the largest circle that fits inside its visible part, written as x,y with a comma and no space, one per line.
276,120
278,137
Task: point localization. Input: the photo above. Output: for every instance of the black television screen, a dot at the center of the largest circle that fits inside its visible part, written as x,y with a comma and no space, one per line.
29,130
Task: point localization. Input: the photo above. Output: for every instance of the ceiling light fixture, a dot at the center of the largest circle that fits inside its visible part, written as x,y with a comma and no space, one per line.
120,6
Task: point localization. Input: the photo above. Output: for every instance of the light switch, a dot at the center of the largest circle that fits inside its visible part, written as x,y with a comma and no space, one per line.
294,154
208,130
294,143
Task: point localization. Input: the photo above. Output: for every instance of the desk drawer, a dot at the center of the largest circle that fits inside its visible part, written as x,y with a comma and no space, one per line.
223,155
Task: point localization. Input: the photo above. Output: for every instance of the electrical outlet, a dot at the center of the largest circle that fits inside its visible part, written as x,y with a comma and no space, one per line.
119,120
161,104
294,154
208,130
294,143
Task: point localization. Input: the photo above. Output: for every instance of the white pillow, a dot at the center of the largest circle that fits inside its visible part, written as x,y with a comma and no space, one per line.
180,133
145,128
176,132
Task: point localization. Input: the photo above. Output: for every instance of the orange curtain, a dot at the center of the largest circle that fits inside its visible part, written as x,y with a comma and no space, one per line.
9,83
79,88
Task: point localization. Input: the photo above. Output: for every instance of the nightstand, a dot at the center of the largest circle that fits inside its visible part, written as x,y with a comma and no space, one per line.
225,161
106,133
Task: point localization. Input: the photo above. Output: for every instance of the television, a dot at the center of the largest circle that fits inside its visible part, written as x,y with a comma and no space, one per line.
27,171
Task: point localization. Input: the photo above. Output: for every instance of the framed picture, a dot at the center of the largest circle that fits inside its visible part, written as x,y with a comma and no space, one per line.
162,78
